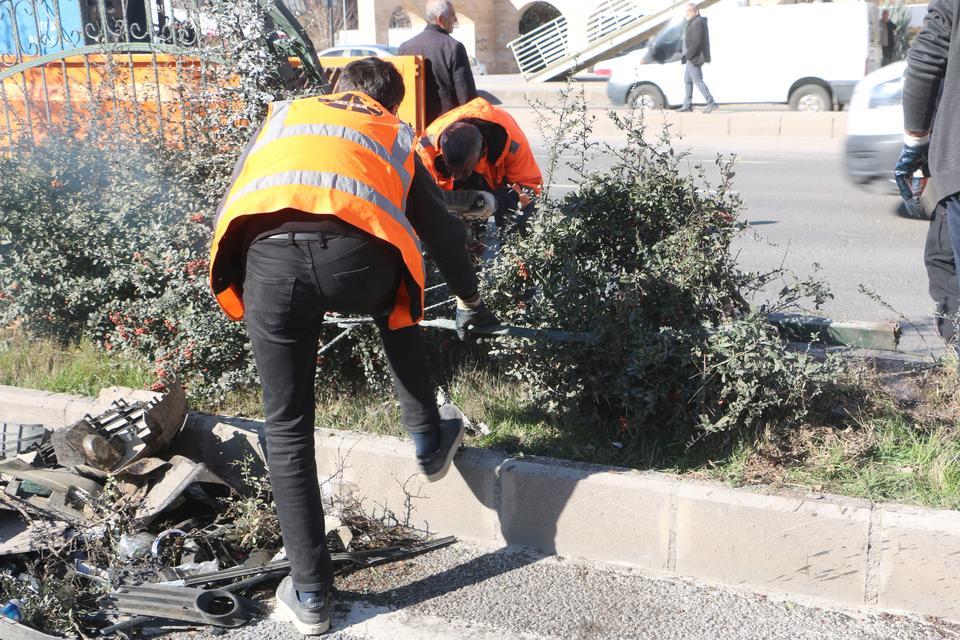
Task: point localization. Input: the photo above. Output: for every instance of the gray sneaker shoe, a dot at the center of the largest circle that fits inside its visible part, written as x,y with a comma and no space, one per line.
311,618
436,465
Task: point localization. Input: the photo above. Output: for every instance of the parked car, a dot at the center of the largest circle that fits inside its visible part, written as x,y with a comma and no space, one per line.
875,128
478,68
809,56
360,51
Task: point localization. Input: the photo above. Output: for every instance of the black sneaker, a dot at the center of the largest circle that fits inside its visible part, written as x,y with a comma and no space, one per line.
311,618
436,465
711,107
685,109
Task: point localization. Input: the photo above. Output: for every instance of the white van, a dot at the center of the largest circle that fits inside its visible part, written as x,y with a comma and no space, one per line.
807,55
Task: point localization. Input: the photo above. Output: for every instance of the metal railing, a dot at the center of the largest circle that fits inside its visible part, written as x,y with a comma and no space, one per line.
538,49
560,39
63,59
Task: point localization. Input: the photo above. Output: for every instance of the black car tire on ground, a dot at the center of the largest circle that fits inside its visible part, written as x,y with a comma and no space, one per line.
810,97
646,95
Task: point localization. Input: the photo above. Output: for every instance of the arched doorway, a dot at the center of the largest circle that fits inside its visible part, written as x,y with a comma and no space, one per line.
400,19
537,14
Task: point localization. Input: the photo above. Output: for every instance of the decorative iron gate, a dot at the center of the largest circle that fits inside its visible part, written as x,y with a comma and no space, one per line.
109,55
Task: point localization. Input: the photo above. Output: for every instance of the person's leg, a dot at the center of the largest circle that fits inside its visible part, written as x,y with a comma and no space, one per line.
696,75
688,86
407,359
952,205
283,315
365,282
942,274
436,433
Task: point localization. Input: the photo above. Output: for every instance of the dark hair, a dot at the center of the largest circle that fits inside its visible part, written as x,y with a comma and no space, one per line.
377,78
459,142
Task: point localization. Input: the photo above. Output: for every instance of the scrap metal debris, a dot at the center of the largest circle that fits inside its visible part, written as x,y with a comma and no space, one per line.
104,531
20,438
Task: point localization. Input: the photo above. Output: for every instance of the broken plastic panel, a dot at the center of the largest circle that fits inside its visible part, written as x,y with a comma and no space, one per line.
123,434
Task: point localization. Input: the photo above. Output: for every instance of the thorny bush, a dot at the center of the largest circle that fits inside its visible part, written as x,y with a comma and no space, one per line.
639,257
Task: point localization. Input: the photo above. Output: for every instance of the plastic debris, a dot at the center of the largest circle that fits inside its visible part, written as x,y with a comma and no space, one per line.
13,610
136,545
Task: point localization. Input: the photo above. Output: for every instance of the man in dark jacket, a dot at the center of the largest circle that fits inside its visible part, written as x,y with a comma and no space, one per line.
888,37
696,52
449,79
932,86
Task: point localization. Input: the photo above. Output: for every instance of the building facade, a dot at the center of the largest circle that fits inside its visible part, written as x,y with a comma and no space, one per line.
485,26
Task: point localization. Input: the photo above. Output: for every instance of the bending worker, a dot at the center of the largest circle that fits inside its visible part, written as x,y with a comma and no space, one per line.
326,212
477,146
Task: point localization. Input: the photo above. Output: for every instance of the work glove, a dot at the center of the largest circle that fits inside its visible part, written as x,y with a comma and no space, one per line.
473,314
483,206
912,157
469,204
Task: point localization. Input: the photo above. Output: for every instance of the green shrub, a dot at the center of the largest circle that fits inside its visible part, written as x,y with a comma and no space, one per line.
639,255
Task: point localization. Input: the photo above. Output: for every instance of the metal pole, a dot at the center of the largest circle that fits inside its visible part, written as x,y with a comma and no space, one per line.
333,39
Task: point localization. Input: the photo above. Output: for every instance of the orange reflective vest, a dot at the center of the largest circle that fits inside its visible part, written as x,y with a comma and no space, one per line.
516,164
342,155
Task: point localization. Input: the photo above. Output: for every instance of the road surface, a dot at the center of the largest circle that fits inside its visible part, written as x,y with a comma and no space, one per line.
803,212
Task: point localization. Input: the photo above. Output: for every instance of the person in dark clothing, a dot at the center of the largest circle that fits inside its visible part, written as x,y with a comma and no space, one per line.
326,212
932,86
888,37
941,265
449,78
696,53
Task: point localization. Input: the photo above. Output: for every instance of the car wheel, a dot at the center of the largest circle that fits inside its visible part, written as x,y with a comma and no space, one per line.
810,97
647,96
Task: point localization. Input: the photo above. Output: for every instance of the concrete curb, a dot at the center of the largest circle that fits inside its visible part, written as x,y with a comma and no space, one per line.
741,125
842,550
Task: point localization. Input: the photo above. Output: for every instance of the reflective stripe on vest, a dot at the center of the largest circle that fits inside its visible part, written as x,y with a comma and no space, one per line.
329,181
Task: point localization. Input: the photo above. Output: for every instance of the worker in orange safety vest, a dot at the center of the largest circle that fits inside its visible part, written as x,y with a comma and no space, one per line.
326,211
478,146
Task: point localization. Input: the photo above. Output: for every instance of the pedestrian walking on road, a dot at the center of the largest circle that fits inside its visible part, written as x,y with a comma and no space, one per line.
696,53
931,100
326,212
449,77
888,37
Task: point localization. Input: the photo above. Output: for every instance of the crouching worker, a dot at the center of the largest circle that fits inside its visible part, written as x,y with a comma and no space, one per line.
326,212
477,146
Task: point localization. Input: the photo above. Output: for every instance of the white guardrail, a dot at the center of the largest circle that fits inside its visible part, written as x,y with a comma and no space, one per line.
555,40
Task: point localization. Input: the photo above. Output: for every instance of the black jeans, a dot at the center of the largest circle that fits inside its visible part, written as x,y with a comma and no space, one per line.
288,286
942,255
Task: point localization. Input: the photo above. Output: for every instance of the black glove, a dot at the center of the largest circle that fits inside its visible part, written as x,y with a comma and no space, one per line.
912,157
478,316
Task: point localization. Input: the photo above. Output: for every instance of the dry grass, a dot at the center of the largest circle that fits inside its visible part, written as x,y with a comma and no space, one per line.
874,435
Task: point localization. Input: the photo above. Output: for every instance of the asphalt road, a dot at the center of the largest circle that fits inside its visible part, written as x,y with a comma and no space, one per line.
804,214
471,592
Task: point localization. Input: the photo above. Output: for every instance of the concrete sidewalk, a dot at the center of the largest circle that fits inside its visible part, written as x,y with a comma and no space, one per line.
472,591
